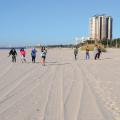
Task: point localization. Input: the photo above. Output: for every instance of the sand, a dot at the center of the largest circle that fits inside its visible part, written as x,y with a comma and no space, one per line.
63,89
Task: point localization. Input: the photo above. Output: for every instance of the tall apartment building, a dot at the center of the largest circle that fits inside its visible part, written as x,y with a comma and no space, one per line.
101,27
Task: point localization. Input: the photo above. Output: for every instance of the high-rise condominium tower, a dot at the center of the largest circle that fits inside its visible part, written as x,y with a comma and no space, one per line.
101,27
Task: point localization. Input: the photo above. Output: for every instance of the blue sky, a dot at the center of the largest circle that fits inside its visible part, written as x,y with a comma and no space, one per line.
52,21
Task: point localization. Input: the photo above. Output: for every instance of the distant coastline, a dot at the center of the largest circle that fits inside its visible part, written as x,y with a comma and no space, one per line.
8,48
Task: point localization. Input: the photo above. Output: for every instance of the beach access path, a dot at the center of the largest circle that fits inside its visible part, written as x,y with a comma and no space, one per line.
63,89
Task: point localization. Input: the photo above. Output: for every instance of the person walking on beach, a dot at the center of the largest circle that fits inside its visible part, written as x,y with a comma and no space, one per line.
75,52
87,53
33,55
13,53
23,55
95,52
43,56
99,52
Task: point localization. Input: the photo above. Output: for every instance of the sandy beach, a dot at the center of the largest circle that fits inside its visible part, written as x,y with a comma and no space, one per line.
63,89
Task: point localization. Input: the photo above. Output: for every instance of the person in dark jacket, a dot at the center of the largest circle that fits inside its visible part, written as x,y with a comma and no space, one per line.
13,53
99,52
96,52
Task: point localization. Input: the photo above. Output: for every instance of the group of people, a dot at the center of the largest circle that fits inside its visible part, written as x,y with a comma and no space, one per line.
97,52
22,54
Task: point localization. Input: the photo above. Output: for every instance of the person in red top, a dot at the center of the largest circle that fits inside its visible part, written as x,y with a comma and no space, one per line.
23,55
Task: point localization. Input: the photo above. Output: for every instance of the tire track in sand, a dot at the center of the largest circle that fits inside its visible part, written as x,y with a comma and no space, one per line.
92,107
7,94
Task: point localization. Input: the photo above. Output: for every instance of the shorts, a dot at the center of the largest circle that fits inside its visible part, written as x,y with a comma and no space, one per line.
43,57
